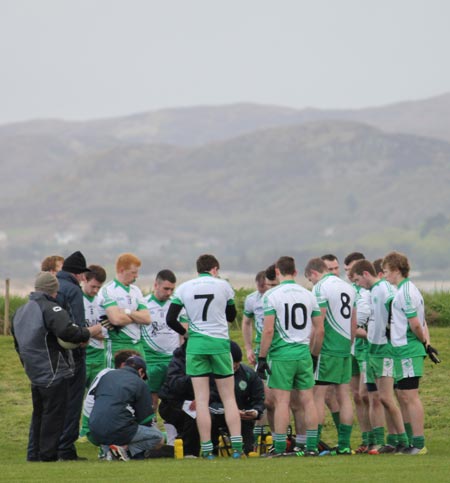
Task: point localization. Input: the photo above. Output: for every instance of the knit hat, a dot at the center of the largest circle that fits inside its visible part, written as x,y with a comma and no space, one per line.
236,352
46,282
75,263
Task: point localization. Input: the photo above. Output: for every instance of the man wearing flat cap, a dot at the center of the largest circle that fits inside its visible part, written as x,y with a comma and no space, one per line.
36,327
70,297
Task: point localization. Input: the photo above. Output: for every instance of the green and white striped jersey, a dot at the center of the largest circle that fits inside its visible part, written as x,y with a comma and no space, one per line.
338,297
92,311
116,294
407,303
158,338
253,308
363,314
382,294
205,299
293,307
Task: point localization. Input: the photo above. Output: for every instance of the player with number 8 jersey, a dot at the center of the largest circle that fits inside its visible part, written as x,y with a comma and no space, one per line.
336,299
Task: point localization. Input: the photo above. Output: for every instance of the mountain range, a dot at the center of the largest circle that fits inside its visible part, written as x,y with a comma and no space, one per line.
246,182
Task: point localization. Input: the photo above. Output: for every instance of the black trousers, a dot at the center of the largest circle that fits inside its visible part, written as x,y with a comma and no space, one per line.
76,388
172,413
47,422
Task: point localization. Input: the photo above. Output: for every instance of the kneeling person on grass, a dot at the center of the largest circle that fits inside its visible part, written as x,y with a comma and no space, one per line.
122,414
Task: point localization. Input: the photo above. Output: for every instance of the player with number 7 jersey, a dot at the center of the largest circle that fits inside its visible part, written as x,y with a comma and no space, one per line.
209,305
205,300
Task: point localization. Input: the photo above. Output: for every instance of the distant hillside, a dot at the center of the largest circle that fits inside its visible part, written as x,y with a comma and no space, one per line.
194,126
301,190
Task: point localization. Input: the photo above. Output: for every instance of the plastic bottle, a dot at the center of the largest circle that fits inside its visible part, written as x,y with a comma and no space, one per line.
268,443
221,447
178,449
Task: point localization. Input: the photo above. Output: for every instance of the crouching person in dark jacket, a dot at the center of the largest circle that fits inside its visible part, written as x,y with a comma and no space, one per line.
177,401
249,392
36,328
121,419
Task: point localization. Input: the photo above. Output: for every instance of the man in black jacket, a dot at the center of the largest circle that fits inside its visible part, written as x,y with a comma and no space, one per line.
36,327
70,297
176,392
249,392
122,415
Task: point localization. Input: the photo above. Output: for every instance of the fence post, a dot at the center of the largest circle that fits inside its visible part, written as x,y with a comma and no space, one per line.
6,325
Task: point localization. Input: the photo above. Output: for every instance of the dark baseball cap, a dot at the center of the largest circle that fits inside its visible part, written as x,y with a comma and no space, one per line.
138,363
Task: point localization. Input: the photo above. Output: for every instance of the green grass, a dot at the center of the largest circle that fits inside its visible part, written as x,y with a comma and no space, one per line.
15,412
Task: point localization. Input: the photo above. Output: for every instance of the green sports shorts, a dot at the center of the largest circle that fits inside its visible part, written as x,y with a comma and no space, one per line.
203,364
156,372
409,367
333,369
288,375
356,366
380,367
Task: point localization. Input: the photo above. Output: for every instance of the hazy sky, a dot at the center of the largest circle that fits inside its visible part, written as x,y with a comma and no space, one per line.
83,59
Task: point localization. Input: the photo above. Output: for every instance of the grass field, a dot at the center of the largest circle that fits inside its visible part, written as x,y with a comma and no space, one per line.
15,412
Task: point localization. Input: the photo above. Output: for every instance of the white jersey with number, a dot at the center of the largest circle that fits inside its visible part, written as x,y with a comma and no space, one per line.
158,336
92,311
116,294
338,297
205,299
293,307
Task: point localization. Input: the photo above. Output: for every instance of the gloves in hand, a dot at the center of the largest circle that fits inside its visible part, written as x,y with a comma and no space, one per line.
432,353
104,322
262,368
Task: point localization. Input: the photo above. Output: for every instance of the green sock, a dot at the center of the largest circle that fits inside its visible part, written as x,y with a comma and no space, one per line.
236,443
206,447
372,438
418,441
319,432
365,438
392,439
311,440
403,439
409,432
279,442
336,419
345,431
379,435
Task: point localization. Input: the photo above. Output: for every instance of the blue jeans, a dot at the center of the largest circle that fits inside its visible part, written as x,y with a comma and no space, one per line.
145,438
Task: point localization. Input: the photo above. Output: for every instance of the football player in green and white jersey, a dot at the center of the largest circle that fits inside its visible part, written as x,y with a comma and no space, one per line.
125,307
381,356
159,340
293,330
254,314
95,353
336,299
364,405
209,304
411,342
